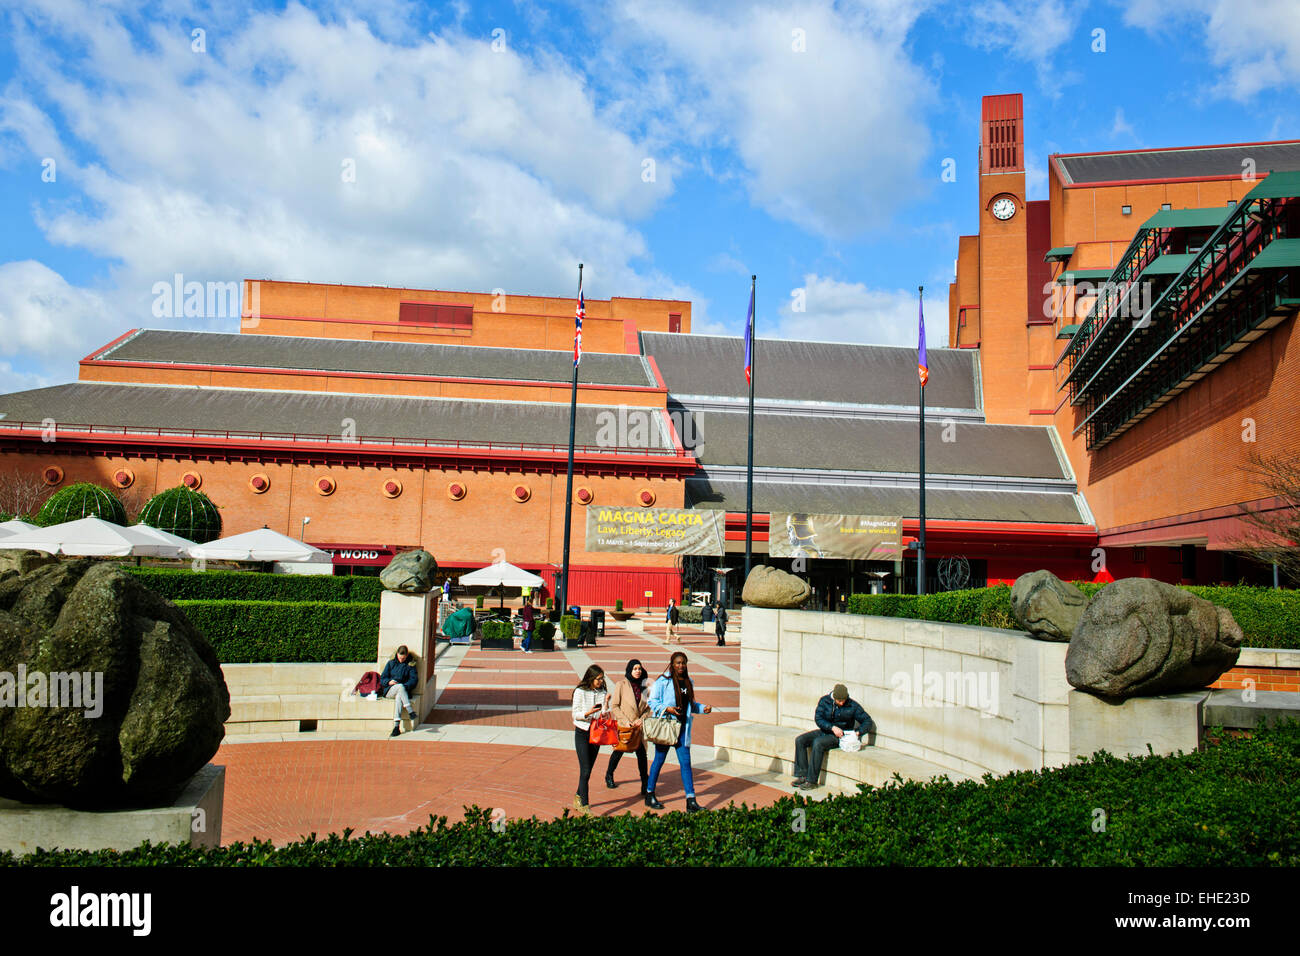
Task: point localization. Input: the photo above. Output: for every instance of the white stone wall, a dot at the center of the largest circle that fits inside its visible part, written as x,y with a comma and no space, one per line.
1000,702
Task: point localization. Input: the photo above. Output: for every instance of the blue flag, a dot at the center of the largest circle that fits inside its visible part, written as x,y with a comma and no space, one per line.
922,366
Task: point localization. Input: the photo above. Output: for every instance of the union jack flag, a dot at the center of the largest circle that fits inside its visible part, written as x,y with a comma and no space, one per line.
579,315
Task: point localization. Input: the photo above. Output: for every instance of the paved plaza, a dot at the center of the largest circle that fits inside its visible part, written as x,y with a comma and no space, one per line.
500,736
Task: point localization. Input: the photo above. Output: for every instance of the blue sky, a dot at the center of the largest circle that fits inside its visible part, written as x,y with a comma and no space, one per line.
673,148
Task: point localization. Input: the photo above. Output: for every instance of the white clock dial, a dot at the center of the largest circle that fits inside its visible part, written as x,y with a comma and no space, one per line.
1004,208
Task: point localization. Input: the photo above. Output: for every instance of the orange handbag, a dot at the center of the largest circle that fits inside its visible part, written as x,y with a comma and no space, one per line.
629,738
604,730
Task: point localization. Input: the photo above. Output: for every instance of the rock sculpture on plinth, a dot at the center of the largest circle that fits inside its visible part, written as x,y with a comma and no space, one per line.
1047,607
1139,637
410,572
771,587
109,696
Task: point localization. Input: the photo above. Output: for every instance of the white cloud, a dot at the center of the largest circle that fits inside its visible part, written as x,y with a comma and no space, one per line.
473,169
41,315
1255,45
838,311
1033,31
831,137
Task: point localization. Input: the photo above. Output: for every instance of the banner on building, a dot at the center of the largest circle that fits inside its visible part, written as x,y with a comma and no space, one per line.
860,537
654,530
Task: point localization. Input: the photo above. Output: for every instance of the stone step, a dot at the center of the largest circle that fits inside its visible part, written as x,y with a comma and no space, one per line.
770,747
1229,708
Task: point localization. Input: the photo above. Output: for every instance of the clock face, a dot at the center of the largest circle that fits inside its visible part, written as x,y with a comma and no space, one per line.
1004,208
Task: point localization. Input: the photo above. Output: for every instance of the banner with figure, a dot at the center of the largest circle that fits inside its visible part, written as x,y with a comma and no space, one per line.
654,530
860,537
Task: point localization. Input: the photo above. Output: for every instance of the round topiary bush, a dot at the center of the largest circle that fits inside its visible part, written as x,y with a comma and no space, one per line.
179,510
82,500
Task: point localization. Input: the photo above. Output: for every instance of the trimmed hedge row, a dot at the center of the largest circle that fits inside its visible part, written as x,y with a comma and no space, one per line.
1234,804
1268,617
497,629
180,584
250,632
690,614
983,607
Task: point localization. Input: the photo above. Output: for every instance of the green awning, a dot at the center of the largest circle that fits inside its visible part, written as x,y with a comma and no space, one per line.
1067,331
1278,254
1170,264
1276,186
1074,276
1187,218
1059,254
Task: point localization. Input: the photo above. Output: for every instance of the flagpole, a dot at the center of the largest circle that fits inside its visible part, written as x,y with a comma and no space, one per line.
568,488
920,545
749,463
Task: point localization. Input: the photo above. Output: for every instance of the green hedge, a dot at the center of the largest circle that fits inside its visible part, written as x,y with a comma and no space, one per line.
181,584
544,631
82,500
1233,804
570,627
247,632
1268,617
984,607
689,614
497,629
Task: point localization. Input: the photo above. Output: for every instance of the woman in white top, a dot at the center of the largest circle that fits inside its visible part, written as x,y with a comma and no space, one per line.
588,701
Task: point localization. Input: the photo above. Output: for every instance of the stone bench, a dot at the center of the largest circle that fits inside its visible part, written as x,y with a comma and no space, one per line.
771,747
296,698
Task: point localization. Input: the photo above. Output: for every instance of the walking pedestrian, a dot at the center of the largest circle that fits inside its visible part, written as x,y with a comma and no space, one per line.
673,694
526,614
397,682
720,625
588,701
629,704
673,618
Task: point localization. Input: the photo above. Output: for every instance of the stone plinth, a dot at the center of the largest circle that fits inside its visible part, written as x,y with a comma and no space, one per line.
1167,723
194,818
410,619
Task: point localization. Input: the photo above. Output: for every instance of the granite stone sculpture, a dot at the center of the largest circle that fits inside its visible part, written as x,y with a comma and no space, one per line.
410,572
771,587
1047,607
1139,638
109,696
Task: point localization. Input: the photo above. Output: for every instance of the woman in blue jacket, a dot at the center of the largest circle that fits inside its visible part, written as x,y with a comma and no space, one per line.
673,695
398,682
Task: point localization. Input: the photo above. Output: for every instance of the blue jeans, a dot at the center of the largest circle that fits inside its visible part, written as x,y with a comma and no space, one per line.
527,642
683,761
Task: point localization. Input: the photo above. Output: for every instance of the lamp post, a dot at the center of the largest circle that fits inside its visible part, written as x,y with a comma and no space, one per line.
303,534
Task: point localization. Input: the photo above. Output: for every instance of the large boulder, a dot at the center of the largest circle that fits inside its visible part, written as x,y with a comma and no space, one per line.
771,587
1047,607
1139,638
109,697
20,562
410,572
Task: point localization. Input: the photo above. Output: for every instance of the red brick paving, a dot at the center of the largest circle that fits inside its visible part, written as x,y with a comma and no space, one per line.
282,791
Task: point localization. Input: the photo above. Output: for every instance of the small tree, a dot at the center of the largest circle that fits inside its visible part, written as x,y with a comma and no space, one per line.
21,493
82,500
183,511
1273,535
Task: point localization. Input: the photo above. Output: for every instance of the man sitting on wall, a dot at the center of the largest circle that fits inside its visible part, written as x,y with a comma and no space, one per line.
836,713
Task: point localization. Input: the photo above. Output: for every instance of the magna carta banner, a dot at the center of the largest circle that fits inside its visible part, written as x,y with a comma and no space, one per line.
861,537
654,530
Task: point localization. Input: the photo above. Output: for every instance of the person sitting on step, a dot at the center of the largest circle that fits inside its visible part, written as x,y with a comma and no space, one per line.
397,682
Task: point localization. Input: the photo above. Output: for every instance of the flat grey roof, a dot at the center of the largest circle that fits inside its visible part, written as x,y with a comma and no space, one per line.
1044,507
1196,163
714,365
382,358
866,444
306,413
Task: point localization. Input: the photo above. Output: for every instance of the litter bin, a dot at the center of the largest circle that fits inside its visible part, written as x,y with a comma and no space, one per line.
598,621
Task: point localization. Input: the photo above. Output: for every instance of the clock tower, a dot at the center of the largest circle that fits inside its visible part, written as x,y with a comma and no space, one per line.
1003,261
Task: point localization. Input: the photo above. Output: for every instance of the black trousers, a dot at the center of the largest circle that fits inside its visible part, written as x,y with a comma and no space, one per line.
809,750
586,759
641,764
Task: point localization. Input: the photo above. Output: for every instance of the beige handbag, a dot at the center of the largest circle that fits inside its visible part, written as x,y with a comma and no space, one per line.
662,730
